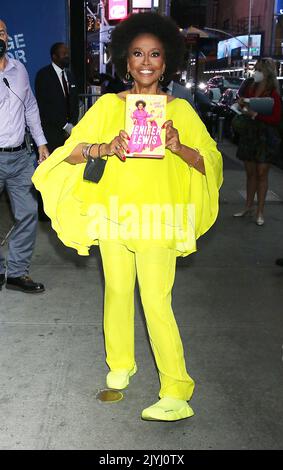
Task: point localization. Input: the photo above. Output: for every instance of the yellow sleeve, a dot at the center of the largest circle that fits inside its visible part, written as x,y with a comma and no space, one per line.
55,178
203,189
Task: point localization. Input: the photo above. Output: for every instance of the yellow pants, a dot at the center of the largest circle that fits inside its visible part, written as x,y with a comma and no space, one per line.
155,270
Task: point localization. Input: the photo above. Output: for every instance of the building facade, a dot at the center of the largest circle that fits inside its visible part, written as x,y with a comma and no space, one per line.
233,16
189,12
241,17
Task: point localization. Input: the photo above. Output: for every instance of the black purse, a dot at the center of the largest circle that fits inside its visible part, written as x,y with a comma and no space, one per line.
94,169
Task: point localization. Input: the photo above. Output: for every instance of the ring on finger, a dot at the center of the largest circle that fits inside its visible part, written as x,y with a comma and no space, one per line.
117,147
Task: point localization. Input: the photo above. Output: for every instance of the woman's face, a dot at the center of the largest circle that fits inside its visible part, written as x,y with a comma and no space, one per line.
259,72
140,106
146,59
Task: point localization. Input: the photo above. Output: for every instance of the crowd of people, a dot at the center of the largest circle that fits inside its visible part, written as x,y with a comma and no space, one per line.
143,50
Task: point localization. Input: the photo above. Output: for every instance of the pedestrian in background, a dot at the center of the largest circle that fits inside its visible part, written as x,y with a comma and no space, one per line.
258,136
18,109
57,97
58,103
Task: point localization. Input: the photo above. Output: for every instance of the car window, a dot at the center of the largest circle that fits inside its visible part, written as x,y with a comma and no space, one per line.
233,81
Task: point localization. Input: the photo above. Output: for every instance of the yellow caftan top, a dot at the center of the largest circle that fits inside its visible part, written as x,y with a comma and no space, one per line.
140,202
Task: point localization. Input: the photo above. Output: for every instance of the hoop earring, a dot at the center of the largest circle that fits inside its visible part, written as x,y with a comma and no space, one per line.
161,78
128,76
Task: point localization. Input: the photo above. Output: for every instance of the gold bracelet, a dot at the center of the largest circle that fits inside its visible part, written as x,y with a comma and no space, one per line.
86,151
198,158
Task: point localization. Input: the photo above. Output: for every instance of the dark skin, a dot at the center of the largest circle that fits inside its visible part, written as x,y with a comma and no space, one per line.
146,64
61,54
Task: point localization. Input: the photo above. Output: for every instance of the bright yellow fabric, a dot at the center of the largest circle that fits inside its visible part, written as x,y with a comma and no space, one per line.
155,269
69,200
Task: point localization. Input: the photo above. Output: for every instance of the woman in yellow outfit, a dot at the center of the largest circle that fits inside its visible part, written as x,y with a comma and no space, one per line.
143,213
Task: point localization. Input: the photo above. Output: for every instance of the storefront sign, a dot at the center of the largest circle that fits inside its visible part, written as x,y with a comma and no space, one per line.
117,9
142,3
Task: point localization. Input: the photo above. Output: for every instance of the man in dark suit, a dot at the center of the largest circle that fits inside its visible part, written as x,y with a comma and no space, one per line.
57,97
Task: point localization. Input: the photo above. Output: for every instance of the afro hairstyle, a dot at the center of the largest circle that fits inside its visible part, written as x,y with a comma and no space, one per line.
140,102
162,27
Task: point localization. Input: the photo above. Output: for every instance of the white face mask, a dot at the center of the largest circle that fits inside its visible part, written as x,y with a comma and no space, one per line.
258,76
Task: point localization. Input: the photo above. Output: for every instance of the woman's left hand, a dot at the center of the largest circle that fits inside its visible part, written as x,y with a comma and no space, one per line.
247,111
172,137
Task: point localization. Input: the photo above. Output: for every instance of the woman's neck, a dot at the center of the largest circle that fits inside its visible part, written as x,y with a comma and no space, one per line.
140,90
260,88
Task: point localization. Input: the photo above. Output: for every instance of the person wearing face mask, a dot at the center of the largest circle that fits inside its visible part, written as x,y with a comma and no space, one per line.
258,135
18,110
57,97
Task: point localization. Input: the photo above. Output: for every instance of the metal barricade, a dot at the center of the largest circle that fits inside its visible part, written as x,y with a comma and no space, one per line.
214,124
220,128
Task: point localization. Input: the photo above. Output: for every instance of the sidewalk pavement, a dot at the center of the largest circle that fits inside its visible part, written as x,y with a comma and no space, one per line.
227,300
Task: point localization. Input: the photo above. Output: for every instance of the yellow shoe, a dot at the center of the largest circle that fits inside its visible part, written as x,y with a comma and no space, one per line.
168,409
119,379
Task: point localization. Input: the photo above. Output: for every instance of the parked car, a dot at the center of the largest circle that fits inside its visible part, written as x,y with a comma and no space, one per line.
219,81
229,97
214,94
211,107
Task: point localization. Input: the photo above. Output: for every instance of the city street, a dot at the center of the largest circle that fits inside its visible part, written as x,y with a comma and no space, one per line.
228,300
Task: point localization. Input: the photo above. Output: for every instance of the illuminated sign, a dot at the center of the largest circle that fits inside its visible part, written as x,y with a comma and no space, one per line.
279,7
225,48
141,3
117,9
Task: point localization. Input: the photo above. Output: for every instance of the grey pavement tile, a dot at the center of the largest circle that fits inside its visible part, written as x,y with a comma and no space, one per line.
227,300
50,251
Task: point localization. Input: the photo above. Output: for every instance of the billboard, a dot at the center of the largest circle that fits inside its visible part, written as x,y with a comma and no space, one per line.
117,9
279,7
141,3
33,27
225,48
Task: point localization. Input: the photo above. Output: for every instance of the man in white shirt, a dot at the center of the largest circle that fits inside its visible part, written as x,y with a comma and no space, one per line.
18,111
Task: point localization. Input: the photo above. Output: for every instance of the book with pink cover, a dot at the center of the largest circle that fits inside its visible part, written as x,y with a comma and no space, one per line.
145,115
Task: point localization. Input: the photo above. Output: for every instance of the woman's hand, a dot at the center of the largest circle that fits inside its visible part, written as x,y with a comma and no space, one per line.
172,137
118,146
247,111
241,102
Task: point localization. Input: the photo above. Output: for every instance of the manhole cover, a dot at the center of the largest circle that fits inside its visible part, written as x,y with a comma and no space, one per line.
109,395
